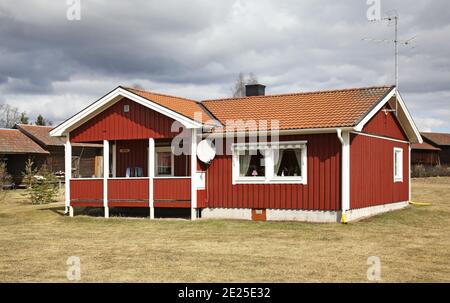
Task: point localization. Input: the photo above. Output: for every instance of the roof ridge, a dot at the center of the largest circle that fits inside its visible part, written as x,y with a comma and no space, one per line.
301,93
438,133
159,94
34,125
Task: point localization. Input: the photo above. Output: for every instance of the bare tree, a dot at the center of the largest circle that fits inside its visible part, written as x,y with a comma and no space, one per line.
238,90
9,116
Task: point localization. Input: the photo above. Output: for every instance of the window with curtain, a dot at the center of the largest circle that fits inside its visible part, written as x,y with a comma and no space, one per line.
164,163
251,164
274,162
288,162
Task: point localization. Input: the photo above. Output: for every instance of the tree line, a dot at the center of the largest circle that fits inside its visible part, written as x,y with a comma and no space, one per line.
10,116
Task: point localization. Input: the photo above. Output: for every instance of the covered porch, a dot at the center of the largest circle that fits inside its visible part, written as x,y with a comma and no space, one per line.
142,173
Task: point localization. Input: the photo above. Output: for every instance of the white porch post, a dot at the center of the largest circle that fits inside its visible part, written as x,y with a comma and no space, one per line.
68,174
151,174
193,174
105,176
345,173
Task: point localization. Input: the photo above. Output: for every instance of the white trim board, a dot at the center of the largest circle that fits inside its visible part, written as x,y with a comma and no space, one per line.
109,100
379,137
401,110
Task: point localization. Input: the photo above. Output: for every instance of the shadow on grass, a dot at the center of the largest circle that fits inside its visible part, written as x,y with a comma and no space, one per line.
59,210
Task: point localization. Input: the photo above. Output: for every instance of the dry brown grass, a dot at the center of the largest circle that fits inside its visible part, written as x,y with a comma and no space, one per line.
413,244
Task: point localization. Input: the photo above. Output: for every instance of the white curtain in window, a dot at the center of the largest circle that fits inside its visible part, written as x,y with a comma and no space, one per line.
280,157
244,163
298,156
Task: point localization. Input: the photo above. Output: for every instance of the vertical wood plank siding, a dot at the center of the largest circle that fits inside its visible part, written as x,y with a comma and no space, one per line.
114,124
372,172
128,192
321,193
385,124
137,156
172,189
86,192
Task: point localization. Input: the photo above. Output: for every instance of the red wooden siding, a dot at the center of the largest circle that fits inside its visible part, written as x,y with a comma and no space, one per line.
114,124
372,172
172,189
321,193
86,192
182,165
128,192
136,156
385,124
201,199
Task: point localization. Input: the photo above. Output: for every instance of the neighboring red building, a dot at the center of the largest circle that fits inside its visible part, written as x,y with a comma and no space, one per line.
15,149
324,156
441,143
425,154
34,142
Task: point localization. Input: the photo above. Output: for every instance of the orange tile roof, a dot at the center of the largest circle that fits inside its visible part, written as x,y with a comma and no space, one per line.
322,109
13,141
41,134
437,138
183,106
424,146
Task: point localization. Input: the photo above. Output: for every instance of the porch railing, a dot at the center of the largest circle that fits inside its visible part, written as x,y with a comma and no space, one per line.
128,192
132,192
86,192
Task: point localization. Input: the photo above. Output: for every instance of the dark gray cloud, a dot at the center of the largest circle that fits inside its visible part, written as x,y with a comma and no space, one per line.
196,48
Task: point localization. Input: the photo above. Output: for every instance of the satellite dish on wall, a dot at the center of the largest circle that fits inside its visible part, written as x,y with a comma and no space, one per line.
206,151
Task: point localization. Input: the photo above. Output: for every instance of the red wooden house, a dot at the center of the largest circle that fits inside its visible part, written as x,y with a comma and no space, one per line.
325,156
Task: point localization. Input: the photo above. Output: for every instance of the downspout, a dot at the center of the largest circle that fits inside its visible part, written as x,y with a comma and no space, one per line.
345,173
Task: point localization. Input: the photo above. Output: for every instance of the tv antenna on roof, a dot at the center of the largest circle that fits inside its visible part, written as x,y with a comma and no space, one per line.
392,18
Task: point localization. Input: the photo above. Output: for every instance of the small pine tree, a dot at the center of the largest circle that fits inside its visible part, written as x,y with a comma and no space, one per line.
29,173
40,120
24,118
5,179
44,188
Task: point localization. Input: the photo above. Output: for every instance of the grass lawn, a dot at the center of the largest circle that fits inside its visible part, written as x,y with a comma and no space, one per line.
413,245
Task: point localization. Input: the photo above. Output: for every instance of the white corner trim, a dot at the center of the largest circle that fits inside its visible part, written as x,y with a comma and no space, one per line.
111,98
344,137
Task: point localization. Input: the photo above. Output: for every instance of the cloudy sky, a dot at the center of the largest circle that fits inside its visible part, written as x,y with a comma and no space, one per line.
196,48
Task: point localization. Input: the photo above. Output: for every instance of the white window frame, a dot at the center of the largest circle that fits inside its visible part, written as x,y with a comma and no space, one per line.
399,176
164,149
268,152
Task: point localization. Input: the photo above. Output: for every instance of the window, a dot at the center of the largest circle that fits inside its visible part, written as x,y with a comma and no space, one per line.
288,162
251,163
164,161
283,162
126,108
398,164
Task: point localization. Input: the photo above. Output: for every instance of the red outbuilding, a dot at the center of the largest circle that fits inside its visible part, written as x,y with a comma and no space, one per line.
325,156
